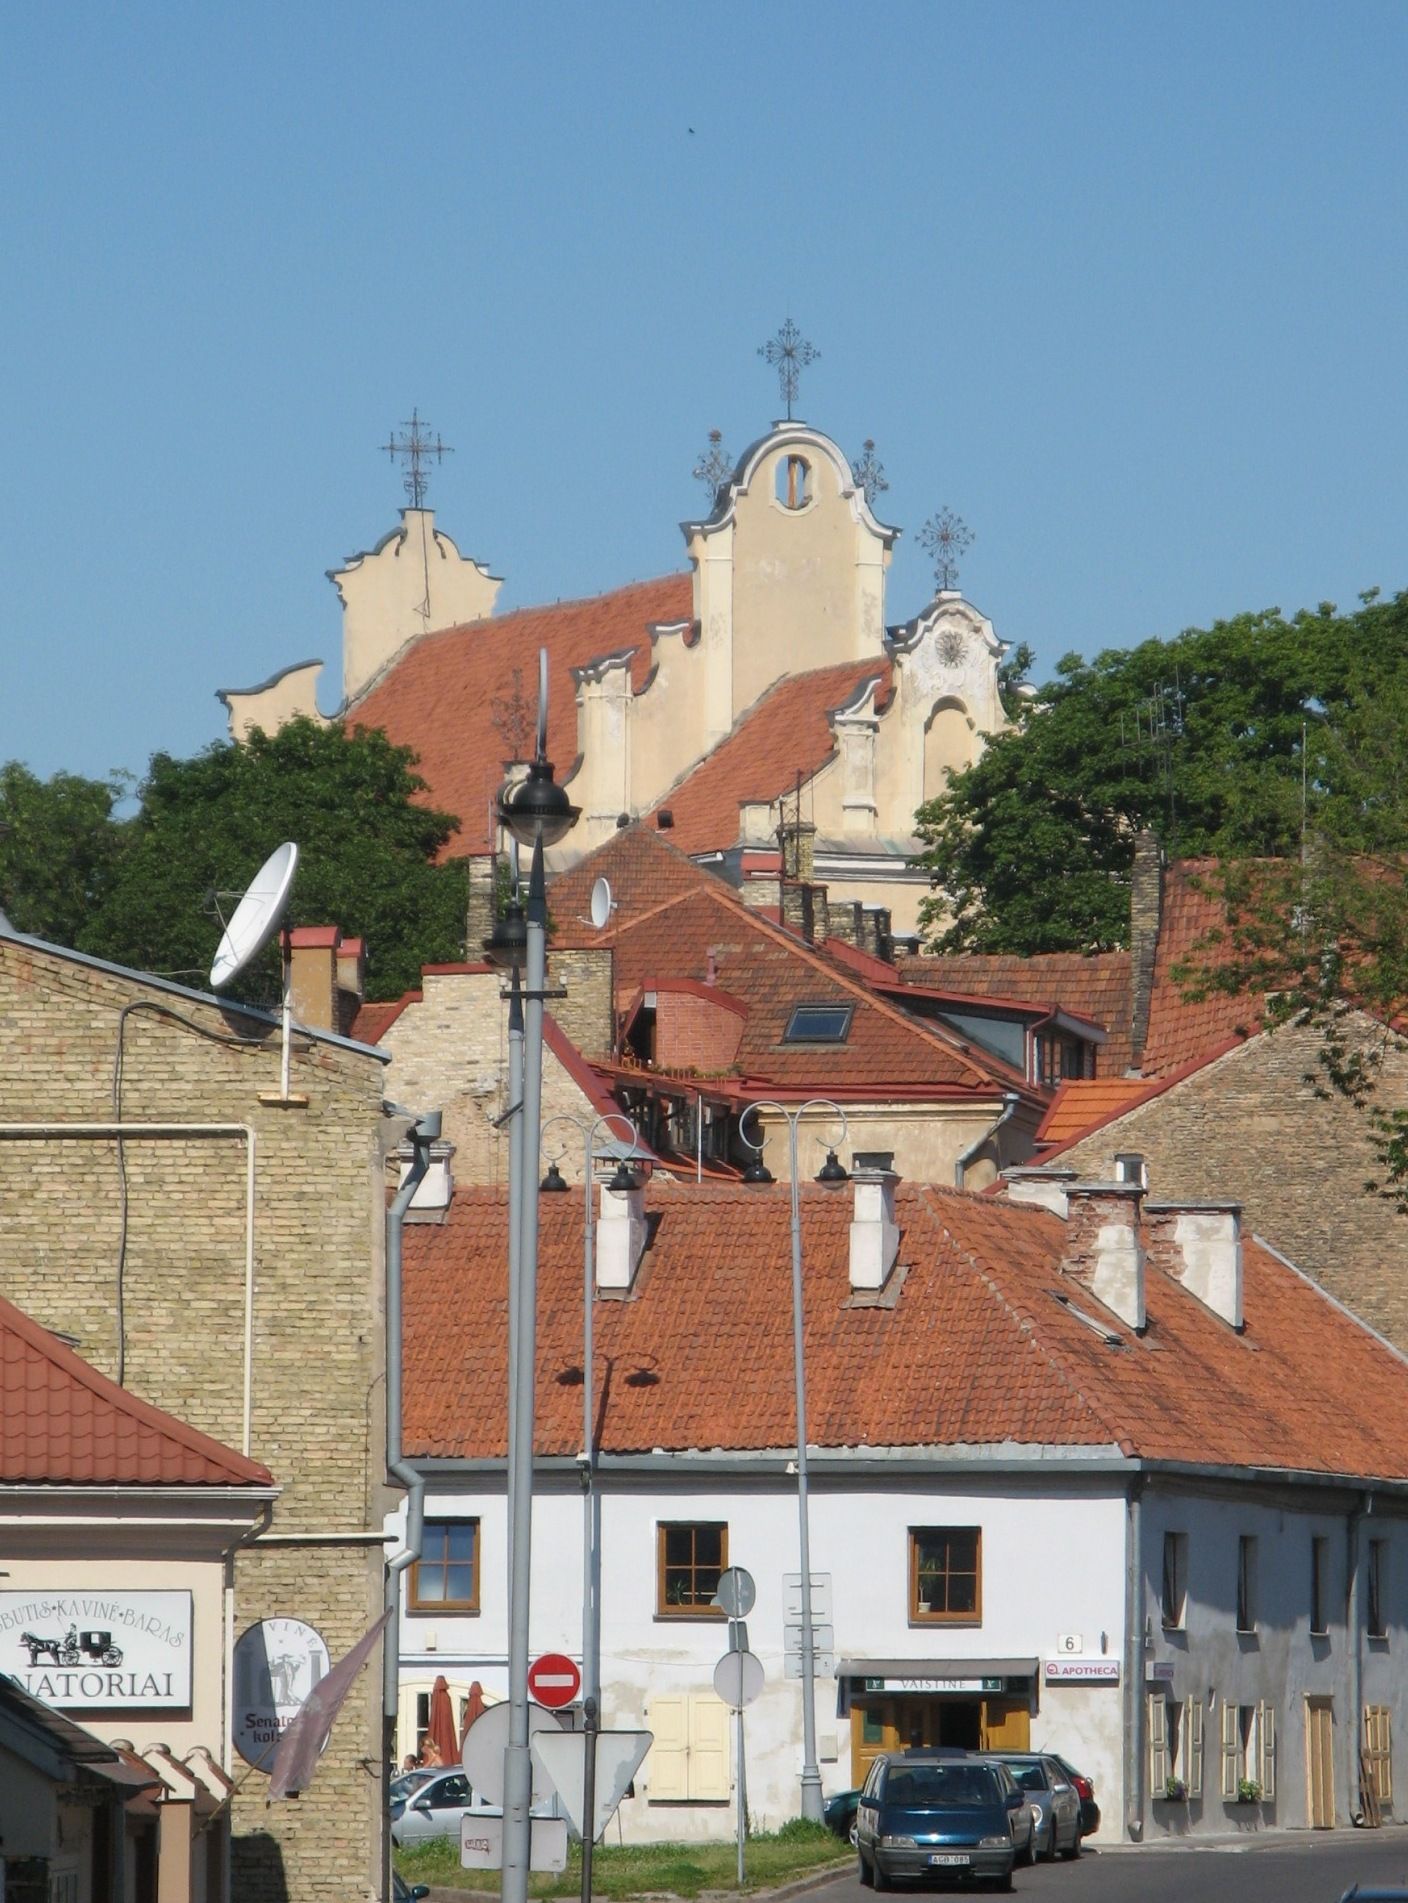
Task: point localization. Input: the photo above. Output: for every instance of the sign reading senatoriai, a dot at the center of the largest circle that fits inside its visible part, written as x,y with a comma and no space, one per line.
99,1651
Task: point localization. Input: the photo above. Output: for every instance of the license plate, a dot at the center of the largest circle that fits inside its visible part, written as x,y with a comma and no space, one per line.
951,1856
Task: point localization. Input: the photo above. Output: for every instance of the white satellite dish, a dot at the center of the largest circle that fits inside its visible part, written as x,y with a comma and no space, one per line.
603,905
256,916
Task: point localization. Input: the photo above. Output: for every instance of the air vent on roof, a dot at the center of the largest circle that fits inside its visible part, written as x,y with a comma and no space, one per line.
665,819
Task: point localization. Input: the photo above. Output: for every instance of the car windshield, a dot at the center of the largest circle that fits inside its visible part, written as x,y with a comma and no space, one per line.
1031,1777
939,1786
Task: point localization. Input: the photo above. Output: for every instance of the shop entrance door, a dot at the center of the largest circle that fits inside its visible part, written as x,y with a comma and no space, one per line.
1320,1763
880,1724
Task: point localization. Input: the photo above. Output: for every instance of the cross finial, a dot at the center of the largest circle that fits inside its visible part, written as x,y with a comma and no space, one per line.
869,473
714,464
789,353
946,536
415,447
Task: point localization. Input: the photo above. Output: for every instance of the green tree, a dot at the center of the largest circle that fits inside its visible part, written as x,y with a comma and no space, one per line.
1200,739
368,856
58,849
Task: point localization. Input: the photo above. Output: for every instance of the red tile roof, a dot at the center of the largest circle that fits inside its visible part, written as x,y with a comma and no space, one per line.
974,1351
64,1424
1182,1029
784,733
1082,1104
673,919
373,1021
438,696
1093,985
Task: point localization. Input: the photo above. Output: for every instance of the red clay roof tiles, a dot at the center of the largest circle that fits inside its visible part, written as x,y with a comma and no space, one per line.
1089,985
1181,1028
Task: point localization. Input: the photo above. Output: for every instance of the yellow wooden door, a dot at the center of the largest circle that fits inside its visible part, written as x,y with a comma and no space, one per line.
873,1730
1320,1763
1007,1725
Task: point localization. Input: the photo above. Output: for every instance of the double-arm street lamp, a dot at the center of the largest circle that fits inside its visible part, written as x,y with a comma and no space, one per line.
831,1173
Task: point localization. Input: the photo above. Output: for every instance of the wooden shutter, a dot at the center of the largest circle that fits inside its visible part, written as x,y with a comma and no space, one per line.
1266,1749
1378,1746
1231,1751
1158,1743
669,1755
1193,1750
708,1749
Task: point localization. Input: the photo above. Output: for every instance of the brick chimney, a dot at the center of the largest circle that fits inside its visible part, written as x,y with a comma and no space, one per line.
620,1238
1045,1186
875,1236
482,906
1102,1249
1146,899
313,962
1200,1245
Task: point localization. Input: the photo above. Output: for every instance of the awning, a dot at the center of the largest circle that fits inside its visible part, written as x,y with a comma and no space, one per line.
936,1668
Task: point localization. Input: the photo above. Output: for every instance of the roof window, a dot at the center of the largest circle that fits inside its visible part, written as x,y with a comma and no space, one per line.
818,1024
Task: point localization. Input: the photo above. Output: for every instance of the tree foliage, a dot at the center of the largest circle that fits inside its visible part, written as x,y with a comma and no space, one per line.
1213,740
58,850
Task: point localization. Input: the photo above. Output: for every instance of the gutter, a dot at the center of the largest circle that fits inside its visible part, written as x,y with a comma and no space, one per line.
422,1134
1135,1707
1010,1101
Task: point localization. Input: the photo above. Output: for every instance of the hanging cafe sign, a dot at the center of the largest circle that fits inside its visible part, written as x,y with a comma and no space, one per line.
99,1651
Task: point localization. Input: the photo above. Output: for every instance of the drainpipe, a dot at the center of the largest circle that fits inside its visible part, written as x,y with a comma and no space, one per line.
1134,1695
422,1134
1353,1655
1010,1100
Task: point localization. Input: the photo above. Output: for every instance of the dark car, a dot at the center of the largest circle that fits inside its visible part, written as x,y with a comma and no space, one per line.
1052,1797
838,1813
938,1816
403,1892
1085,1791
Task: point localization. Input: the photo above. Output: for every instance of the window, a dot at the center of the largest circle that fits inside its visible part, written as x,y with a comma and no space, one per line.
1248,1753
1378,1749
1175,1747
793,482
1174,1584
945,1581
1319,1585
1376,1596
446,1576
818,1024
1246,1583
690,1556
689,1760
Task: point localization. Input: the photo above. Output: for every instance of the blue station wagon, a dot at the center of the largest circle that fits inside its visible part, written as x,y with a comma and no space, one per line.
939,1816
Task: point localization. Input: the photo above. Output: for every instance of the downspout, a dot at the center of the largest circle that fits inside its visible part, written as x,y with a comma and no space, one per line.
1010,1101
1353,1656
1135,1712
422,1134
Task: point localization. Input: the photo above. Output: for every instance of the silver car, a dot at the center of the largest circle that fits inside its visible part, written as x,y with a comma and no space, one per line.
1054,1801
434,1809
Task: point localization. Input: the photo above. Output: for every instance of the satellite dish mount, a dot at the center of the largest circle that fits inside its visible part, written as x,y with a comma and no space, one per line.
257,917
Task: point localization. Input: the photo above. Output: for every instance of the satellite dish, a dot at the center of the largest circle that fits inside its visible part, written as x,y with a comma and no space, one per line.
256,916
603,905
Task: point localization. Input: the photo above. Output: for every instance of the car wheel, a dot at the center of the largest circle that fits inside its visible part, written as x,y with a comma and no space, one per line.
867,1881
1047,1850
1026,1856
1003,1883
880,1877
1075,1847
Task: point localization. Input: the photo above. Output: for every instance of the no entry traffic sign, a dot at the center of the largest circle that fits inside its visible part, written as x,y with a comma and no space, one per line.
553,1680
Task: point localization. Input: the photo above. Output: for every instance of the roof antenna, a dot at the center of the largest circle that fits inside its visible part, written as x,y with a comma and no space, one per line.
257,918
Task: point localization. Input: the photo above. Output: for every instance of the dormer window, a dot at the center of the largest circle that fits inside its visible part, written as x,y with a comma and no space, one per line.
794,482
818,1024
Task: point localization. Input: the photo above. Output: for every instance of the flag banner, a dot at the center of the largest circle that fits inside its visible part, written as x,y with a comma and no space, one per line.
303,1742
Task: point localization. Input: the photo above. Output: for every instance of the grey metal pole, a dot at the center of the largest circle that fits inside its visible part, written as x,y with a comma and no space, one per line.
742,1788
518,1765
514,1113
811,1773
590,1725
591,1669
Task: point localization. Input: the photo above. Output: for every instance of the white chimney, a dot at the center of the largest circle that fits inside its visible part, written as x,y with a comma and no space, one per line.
1102,1246
1200,1245
620,1237
437,1186
875,1236
1046,1187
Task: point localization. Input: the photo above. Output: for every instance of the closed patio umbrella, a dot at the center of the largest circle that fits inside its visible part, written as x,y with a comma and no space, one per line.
441,1726
473,1708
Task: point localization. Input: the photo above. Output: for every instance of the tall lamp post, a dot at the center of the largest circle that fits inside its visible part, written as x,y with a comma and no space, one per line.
831,1173
538,813
554,1181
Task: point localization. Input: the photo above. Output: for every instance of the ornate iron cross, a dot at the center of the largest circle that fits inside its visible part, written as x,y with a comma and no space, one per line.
714,464
415,447
789,353
869,473
946,536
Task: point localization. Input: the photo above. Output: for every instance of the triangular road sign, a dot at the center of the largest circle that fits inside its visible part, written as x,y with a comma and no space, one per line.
563,1755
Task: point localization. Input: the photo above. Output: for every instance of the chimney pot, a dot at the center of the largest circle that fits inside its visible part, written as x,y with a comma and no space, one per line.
875,1236
620,1237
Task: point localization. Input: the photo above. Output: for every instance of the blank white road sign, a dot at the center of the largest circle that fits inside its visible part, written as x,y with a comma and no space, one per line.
619,1755
484,1745
738,1678
482,1841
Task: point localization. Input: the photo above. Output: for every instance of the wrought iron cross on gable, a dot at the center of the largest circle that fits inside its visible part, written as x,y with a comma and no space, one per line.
946,536
415,448
789,353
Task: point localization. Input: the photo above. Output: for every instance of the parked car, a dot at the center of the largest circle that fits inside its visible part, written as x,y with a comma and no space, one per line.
921,1815
839,1814
403,1892
1085,1791
432,1810
405,1782
1052,1797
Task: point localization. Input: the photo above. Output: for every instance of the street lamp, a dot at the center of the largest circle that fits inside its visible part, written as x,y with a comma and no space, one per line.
832,1172
538,813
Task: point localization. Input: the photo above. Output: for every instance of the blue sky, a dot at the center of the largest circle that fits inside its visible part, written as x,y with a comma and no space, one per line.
1123,285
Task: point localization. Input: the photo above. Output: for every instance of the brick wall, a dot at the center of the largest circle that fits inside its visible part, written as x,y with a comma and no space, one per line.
1251,1128
318,1386
693,1033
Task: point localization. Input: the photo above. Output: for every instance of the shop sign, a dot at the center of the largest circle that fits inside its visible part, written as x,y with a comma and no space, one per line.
99,1651
935,1684
1162,1672
277,1664
1081,1671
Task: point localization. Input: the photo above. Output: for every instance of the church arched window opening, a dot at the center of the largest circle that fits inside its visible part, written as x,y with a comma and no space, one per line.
794,482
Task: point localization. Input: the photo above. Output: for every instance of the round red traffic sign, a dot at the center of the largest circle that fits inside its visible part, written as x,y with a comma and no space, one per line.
553,1680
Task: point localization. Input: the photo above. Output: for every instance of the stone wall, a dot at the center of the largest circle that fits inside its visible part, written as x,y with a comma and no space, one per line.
318,1342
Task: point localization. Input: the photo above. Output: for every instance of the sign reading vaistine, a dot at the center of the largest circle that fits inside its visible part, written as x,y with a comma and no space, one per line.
89,1651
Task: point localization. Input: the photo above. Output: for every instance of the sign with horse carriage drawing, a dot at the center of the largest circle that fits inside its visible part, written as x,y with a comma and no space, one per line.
99,1651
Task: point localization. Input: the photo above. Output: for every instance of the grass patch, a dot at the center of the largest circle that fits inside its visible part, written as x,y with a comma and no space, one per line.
630,1870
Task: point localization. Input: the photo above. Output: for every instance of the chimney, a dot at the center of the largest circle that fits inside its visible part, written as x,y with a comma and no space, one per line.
875,1236
1043,1185
436,1188
797,838
1102,1249
620,1237
1200,1245
482,907
844,921
875,930
351,980
313,974
1146,896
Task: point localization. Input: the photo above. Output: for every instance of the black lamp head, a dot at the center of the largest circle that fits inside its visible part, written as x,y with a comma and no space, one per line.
538,808
507,945
833,1170
624,1178
758,1172
553,1181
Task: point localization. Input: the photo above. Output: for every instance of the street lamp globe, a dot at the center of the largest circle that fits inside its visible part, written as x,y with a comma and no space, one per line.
833,1170
507,945
538,808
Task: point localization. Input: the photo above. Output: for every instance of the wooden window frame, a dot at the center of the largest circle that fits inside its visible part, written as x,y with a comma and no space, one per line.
458,1608
921,1615
693,1611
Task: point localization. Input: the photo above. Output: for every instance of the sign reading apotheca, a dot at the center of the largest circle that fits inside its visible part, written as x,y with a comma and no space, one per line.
91,1651
1068,1671
277,1664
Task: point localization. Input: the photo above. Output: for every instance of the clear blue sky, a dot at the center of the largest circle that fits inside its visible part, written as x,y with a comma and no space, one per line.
1124,285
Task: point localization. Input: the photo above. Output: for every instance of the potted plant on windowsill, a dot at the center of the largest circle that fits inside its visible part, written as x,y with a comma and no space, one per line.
1175,1791
1248,1791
